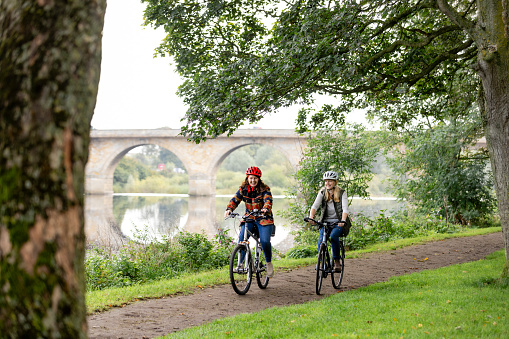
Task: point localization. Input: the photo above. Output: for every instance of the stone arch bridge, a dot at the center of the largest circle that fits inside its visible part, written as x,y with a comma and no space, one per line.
108,147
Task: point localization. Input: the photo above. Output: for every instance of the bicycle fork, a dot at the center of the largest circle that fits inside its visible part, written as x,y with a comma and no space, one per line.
241,262
258,252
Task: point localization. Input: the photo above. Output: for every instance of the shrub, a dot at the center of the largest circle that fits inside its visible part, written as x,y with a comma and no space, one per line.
302,251
196,248
146,258
306,236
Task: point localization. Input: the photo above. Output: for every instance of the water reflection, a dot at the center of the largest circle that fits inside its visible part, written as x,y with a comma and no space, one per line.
158,216
112,219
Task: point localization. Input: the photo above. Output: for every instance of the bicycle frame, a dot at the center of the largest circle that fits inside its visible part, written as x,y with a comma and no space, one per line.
325,262
258,246
257,267
325,241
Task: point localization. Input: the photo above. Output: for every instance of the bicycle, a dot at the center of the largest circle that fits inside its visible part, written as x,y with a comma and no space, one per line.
325,262
241,271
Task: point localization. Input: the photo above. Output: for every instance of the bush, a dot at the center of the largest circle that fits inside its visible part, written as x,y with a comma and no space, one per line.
302,251
101,271
306,236
223,246
306,243
196,248
405,224
145,259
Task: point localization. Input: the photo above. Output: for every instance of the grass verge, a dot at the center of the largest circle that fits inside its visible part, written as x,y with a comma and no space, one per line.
458,301
98,301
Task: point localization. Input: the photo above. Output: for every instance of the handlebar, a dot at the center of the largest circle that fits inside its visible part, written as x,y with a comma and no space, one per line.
232,215
321,224
254,213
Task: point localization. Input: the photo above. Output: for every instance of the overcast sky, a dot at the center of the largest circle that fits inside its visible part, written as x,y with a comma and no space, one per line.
136,90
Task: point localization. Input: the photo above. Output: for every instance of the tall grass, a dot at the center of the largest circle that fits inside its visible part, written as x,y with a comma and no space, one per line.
146,259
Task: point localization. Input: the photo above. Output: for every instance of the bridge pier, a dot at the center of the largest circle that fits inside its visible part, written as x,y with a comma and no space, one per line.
201,184
99,184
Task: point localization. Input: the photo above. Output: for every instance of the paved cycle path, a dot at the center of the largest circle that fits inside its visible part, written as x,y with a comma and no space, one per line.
158,317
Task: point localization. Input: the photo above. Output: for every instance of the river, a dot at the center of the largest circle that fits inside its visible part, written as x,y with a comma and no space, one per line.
112,219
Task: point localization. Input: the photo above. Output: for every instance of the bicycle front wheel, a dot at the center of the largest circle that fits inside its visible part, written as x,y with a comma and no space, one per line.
320,267
241,272
261,272
337,278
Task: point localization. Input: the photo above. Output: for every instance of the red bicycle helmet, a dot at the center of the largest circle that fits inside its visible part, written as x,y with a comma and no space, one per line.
253,170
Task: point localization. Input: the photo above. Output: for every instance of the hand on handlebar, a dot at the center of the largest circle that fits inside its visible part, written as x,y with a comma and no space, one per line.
229,214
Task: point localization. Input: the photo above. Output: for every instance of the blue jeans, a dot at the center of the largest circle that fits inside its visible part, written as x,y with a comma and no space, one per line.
264,233
334,240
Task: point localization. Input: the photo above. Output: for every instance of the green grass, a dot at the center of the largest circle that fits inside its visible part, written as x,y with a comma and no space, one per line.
458,301
102,300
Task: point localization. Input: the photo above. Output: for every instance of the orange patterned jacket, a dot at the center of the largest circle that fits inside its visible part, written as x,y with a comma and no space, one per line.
253,201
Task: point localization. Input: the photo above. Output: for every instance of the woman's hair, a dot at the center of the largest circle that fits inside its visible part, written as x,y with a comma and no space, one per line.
336,192
260,187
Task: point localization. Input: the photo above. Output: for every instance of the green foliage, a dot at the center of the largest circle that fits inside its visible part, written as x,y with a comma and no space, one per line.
127,167
238,162
138,172
134,172
145,259
276,170
305,243
243,59
227,182
100,272
196,248
378,229
306,236
153,155
350,152
438,172
404,224
302,251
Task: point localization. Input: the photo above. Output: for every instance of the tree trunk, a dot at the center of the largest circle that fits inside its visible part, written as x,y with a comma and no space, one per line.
50,54
497,135
493,68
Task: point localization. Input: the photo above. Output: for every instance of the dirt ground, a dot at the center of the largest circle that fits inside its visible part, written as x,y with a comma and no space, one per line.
157,317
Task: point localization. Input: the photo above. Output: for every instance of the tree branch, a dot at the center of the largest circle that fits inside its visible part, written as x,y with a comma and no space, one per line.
462,22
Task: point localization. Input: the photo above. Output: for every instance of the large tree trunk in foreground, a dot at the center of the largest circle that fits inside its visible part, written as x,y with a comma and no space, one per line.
497,136
493,68
50,53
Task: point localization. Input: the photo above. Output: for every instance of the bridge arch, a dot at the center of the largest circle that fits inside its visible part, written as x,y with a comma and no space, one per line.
219,158
201,161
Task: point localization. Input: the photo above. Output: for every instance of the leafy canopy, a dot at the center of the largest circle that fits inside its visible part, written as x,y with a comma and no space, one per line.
241,60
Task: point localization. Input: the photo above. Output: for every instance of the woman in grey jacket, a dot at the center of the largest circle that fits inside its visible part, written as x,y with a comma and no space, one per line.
333,201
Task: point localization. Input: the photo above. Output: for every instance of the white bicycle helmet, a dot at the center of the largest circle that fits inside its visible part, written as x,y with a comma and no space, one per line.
330,175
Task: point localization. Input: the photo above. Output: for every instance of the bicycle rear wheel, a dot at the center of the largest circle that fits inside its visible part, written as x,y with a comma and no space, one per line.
241,273
337,278
261,272
321,267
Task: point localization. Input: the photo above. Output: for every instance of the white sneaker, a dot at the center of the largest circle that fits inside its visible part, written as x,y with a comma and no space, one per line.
270,270
238,269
